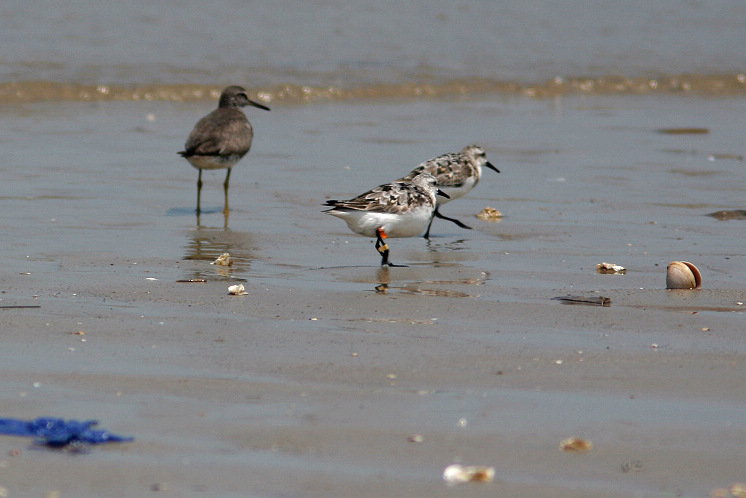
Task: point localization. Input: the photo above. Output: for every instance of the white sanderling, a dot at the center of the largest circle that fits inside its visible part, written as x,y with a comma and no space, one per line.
220,139
398,209
457,173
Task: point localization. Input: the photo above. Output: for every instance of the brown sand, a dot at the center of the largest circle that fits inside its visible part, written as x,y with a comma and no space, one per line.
313,383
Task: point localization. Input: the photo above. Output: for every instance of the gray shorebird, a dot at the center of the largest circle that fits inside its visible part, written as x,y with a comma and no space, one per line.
220,139
398,209
457,173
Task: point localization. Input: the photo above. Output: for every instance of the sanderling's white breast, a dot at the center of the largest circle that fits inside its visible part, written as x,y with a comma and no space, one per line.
398,209
456,173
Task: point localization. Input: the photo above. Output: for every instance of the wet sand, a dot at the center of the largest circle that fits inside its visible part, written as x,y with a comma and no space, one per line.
313,383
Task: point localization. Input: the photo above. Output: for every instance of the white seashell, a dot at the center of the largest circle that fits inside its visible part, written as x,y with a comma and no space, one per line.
237,290
682,275
223,260
457,474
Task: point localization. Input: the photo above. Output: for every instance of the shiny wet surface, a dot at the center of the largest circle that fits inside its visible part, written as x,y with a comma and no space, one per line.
330,362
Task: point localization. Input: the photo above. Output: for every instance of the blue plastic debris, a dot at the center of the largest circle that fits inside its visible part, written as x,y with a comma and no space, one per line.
57,432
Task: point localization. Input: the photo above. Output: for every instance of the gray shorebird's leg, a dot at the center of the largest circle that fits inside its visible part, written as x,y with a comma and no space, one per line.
437,214
383,248
199,190
453,220
427,232
225,189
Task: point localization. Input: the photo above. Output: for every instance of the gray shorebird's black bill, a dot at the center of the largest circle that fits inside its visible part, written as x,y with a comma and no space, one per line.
492,167
441,193
257,104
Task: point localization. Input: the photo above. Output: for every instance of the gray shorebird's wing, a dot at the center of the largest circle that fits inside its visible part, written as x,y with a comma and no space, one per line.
450,170
224,132
394,198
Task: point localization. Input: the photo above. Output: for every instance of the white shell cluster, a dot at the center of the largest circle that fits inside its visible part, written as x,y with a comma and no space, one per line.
682,275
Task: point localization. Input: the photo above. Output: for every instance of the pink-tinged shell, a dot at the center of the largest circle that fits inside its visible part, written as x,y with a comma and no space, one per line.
683,275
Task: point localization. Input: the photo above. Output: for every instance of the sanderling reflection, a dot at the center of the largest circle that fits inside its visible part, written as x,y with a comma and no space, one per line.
220,139
398,209
457,173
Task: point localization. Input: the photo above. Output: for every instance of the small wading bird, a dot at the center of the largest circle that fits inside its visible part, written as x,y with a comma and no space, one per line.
222,138
457,173
398,209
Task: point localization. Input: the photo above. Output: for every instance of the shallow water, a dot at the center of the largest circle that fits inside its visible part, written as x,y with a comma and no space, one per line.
581,178
326,50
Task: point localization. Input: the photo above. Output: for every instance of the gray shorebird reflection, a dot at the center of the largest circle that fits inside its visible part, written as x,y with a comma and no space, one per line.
220,139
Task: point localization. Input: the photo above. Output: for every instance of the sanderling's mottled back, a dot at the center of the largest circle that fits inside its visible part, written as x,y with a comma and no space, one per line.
457,173
398,209
222,138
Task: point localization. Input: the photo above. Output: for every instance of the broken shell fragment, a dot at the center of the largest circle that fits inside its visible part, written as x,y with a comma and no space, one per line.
682,275
457,474
684,131
592,300
731,214
223,260
576,445
237,290
610,268
490,214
